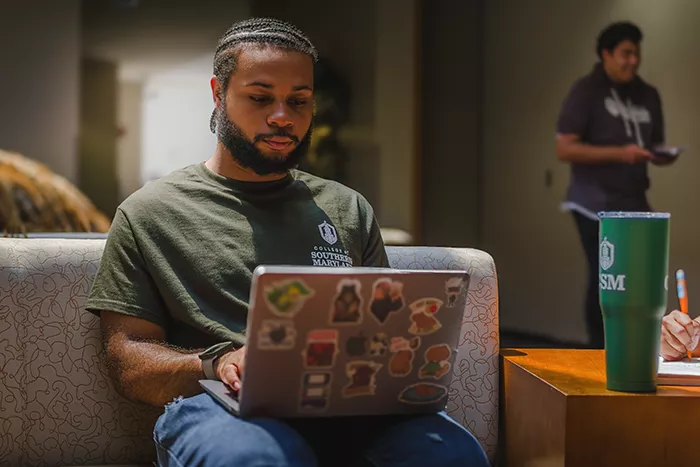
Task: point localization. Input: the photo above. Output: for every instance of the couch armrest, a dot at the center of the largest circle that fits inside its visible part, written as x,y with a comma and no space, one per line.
473,396
57,403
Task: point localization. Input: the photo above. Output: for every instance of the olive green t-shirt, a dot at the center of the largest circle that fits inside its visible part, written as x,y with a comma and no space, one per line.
181,251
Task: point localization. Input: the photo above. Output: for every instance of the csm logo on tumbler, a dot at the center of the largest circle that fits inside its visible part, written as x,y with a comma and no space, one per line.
607,259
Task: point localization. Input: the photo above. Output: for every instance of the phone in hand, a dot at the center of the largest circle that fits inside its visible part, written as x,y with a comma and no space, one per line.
668,152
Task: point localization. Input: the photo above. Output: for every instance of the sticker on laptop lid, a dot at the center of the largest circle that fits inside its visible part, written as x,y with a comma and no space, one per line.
287,298
423,393
436,362
357,346
315,391
423,320
454,287
387,298
362,375
379,345
401,363
347,303
321,348
277,334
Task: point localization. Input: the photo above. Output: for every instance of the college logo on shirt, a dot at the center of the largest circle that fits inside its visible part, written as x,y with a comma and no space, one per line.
328,233
629,112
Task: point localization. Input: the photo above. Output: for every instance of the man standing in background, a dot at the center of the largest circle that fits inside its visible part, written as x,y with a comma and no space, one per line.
608,123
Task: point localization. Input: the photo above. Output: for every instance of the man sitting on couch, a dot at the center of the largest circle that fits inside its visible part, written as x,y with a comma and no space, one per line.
176,272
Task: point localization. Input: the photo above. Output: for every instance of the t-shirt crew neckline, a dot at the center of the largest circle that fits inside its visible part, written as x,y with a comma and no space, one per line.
243,186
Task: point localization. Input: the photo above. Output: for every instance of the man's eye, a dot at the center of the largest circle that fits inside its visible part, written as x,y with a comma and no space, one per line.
259,98
298,102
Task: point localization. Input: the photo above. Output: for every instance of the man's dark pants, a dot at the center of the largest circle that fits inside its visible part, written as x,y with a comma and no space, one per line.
588,233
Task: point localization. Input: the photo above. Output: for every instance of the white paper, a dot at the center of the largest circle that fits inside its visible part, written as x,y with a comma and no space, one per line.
680,372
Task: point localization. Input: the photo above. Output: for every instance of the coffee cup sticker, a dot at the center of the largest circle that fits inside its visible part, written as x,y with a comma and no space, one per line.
436,362
387,298
357,346
287,298
454,287
315,391
361,377
276,334
321,348
423,320
347,303
423,393
403,350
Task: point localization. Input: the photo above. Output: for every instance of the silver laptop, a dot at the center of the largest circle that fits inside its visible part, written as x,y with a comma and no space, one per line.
347,341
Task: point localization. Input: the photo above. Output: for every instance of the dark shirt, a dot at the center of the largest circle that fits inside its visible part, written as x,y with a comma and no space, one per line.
603,113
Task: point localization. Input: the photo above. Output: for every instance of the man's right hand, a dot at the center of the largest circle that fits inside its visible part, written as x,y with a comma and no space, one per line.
229,368
679,334
633,154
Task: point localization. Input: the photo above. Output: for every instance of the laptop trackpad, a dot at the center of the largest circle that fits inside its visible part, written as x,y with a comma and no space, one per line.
222,394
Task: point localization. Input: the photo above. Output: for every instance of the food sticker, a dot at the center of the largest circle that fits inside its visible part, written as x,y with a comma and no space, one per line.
362,378
321,348
423,393
401,363
288,297
315,391
277,334
387,297
357,346
436,362
347,304
379,346
423,320
454,288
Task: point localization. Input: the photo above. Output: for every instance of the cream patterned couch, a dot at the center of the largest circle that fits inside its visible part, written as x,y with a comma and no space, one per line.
59,408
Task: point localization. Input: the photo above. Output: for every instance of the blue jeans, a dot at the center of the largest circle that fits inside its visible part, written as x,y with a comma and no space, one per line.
197,431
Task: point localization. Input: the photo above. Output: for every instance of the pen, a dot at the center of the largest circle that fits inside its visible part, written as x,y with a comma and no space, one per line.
682,290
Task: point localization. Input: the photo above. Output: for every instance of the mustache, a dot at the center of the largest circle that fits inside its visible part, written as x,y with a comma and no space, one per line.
279,133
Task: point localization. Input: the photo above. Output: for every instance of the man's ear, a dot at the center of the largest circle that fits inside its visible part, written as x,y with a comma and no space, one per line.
216,90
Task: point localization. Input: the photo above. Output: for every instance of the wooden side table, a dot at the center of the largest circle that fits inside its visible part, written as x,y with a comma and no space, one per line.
556,412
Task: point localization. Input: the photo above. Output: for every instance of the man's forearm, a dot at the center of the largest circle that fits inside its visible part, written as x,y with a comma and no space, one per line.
582,153
152,373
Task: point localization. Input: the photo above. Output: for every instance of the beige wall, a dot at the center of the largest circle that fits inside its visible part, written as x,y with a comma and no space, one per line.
533,52
395,110
97,163
39,81
129,109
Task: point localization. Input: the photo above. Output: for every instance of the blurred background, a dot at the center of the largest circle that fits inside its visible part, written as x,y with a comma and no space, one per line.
440,112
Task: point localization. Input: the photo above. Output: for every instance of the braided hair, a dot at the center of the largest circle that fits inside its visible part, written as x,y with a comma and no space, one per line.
264,31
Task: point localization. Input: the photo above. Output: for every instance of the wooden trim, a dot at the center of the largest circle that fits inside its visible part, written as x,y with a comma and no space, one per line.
480,170
417,163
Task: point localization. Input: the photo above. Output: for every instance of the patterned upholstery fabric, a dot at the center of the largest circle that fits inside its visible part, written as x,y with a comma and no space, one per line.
473,395
58,406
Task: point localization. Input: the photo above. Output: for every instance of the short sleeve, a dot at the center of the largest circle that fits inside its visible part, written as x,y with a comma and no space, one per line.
575,110
374,251
123,283
658,130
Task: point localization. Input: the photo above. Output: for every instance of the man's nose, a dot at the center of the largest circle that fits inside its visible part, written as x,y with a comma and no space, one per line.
280,116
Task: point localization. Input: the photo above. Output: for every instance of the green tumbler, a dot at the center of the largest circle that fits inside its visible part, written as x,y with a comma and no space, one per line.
633,289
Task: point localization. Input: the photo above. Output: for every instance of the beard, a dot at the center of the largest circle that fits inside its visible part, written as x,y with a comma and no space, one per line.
248,156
